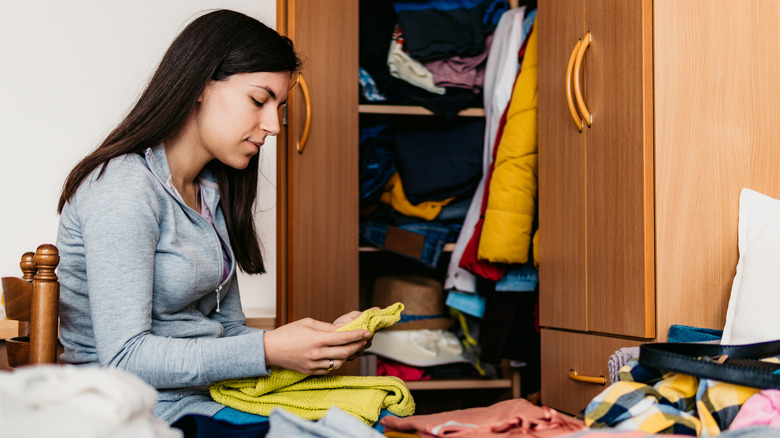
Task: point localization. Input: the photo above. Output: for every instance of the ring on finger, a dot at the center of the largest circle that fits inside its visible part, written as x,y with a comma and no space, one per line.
330,364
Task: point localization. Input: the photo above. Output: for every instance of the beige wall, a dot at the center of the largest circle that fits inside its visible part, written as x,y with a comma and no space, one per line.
69,71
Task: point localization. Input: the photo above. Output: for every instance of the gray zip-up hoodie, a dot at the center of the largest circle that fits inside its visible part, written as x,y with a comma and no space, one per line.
140,274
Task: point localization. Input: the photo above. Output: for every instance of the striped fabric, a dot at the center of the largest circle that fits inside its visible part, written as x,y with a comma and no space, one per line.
646,400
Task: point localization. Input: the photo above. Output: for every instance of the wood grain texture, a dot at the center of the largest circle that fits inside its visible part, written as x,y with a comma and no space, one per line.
717,122
620,287
36,304
321,185
587,354
562,183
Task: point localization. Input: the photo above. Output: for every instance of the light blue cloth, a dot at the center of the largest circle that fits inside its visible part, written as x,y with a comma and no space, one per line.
335,424
368,87
139,273
522,278
469,303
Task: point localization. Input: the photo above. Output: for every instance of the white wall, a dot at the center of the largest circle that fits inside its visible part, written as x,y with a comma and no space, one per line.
69,71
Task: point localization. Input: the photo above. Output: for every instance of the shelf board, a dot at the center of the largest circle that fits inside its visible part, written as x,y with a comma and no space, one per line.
413,110
420,385
8,328
448,247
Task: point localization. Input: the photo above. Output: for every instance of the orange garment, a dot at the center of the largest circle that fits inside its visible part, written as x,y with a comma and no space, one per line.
515,417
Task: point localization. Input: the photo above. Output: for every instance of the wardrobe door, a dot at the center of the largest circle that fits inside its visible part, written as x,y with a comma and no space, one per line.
562,183
703,160
318,188
619,93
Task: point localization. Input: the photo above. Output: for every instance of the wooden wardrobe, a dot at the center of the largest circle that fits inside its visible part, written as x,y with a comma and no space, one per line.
638,212
318,253
318,174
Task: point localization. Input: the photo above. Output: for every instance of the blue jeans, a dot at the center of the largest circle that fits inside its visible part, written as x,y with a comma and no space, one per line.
420,241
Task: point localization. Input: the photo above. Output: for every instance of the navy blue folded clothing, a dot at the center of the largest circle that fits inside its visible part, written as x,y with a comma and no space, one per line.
439,29
201,426
440,160
377,160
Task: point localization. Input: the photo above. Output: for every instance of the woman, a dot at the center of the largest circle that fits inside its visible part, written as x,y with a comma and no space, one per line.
156,220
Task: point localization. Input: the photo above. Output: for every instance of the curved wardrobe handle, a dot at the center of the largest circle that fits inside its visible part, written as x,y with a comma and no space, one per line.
586,115
307,123
569,97
600,380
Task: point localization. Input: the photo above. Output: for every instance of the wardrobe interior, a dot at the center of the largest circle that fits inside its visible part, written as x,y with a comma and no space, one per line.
427,146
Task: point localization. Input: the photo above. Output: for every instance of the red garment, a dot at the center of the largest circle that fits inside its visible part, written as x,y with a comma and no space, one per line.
469,260
408,373
516,417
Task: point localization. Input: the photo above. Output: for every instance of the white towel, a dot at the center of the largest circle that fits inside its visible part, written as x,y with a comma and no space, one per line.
70,401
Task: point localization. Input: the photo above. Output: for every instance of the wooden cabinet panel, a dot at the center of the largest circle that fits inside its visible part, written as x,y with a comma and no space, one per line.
596,187
718,112
585,353
619,174
561,172
666,158
319,187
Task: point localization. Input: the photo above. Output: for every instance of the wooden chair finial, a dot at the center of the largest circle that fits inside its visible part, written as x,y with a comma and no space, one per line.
28,266
45,306
46,259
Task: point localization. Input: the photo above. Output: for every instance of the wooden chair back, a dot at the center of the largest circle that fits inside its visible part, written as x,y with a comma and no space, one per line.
33,301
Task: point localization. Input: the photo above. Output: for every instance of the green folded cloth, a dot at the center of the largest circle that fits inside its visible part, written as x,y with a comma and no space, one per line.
310,397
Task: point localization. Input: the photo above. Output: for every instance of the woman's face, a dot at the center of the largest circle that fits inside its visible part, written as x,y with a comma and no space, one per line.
235,115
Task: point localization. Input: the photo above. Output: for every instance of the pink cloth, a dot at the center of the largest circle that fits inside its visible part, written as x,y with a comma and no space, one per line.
461,72
516,417
609,433
762,408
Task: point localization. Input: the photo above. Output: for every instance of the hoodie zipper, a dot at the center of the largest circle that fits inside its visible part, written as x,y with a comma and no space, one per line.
176,195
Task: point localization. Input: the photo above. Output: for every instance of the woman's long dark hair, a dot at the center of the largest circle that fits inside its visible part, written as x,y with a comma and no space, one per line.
212,47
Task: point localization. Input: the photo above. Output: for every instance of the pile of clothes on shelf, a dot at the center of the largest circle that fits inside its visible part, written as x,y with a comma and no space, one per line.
429,181
421,345
430,53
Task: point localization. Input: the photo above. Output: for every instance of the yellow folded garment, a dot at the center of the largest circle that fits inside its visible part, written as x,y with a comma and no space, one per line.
395,197
375,319
310,397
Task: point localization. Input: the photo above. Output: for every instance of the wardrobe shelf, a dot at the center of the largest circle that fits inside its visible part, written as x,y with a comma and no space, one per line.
420,385
448,247
413,110
8,328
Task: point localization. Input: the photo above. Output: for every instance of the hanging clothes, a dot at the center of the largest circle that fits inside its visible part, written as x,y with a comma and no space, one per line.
500,72
511,206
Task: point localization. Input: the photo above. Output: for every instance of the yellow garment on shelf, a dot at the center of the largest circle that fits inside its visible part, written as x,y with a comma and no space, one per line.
511,204
395,197
310,397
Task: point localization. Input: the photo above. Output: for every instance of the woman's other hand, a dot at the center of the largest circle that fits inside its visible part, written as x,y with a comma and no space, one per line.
308,345
347,317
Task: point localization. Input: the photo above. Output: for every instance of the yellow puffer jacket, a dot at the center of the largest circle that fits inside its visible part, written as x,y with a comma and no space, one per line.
509,216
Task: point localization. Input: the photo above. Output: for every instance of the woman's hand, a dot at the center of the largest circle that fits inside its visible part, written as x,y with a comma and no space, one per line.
347,317
308,345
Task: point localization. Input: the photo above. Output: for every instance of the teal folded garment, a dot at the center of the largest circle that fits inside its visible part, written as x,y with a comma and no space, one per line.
469,303
685,333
